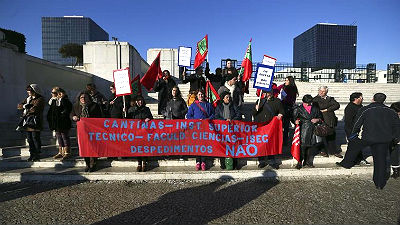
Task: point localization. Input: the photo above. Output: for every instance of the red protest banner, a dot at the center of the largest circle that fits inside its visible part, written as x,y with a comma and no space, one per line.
107,137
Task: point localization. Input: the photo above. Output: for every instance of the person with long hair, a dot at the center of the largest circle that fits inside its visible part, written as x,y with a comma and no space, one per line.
289,93
59,121
176,107
85,108
200,109
139,110
33,107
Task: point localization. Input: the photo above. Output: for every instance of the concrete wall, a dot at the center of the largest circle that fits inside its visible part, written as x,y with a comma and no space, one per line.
12,82
169,59
18,70
101,58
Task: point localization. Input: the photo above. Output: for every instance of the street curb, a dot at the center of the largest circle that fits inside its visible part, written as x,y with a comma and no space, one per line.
282,174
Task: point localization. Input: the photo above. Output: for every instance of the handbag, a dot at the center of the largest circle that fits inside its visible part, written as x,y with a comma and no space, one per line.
323,130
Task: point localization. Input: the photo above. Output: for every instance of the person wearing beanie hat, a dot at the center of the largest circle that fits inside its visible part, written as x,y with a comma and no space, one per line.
32,107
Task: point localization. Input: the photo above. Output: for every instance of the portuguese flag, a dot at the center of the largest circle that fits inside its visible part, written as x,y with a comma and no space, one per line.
136,87
247,66
201,51
212,94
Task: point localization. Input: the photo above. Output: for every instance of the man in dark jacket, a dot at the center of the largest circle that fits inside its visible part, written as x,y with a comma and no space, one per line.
381,126
164,87
265,112
115,106
215,79
328,105
353,156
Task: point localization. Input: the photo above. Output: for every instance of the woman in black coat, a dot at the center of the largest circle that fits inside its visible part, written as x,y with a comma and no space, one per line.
85,108
139,110
164,87
59,121
176,107
307,115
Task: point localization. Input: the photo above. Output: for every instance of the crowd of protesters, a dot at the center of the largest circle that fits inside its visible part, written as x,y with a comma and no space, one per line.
315,115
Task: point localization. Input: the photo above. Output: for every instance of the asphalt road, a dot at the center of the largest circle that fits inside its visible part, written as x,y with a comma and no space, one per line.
326,201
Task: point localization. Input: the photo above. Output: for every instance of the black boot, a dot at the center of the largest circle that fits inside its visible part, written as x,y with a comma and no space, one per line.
396,172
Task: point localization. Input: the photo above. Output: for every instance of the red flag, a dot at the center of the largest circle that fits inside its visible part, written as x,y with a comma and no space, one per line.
152,74
247,65
136,87
201,51
258,93
295,150
212,94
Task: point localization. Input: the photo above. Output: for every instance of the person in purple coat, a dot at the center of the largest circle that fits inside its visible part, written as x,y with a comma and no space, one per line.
200,109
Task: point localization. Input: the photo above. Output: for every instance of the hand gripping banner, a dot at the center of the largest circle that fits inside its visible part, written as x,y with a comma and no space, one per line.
107,137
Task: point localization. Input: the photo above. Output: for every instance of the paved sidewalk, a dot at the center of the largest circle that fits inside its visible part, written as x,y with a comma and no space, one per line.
339,200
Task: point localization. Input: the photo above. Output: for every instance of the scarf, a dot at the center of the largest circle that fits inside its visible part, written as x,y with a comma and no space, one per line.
230,88
307,107
85,110
227,112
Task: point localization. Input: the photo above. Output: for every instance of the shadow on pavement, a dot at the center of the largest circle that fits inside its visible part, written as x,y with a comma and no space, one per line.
11,191
197,205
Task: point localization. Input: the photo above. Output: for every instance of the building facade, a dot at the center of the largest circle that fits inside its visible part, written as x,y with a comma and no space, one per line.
57,31
168,59
103,57
326,46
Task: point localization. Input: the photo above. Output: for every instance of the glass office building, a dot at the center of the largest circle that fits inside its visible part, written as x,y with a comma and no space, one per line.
57,31
326,46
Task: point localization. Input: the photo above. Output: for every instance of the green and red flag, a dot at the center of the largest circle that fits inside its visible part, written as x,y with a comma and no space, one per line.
212,94
152,74
247,66
201,51
136,87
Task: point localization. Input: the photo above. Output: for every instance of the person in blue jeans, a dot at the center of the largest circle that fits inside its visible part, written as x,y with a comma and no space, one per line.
200,109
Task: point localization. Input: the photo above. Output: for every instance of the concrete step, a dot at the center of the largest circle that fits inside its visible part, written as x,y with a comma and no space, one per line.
76,161
179,173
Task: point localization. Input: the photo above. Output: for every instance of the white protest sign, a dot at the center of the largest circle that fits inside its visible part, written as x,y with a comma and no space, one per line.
184,56
264,77
268,60
122,82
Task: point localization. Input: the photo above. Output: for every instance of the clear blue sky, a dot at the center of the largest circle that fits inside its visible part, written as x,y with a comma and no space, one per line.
230,24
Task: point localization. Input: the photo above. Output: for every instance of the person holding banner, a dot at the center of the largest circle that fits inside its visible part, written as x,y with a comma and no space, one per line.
197,82
200,109
264,112
85,108
164,86
139,110
288,94
226,110
307,115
